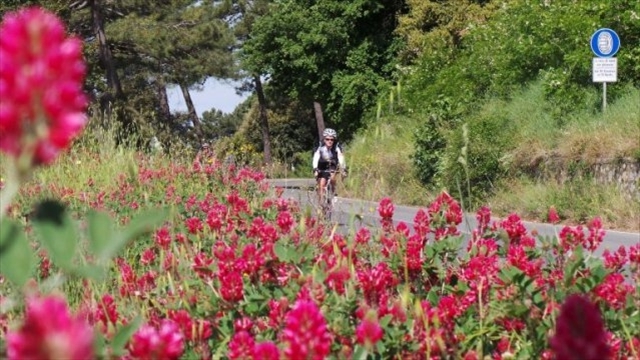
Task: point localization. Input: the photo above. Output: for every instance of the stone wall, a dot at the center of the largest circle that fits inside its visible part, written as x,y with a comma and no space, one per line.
624,173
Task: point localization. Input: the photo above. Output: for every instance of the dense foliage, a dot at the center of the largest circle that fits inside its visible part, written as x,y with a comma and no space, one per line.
497,55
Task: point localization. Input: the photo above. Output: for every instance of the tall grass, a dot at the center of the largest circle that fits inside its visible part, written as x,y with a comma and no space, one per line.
576,201
380,163
612,134
94,161
582,135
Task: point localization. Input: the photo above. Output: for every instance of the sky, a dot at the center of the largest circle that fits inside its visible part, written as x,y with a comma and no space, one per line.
214,94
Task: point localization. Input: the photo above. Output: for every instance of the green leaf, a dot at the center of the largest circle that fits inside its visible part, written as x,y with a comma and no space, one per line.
571,270
281,252
510,274
123,335
251,308
17,259
101,233
145,222
139,225
99,342
56,232
90,271
385,320
360,353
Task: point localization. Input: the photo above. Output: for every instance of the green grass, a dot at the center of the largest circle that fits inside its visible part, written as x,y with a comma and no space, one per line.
576,201
380,164
582,135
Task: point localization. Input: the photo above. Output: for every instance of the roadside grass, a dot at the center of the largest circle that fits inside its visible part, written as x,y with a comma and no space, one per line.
93,162
379,159
609,135
580,136
576,202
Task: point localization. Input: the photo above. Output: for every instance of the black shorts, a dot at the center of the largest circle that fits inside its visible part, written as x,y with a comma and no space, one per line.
326,174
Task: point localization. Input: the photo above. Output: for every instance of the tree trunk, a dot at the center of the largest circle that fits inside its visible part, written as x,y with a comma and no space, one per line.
319,118
163,102
106,56
264,121
193,115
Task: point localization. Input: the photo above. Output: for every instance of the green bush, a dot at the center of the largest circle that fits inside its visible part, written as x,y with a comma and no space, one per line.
430,139
471,162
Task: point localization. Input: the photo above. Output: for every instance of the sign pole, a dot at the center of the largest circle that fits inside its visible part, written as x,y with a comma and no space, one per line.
604,97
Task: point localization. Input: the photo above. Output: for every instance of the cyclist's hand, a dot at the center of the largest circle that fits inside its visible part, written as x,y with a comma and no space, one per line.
344,172
315,173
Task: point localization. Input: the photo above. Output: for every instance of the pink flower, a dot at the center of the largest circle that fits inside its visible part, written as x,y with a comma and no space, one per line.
107,311
369,332
305,332
514,228
421,223
231,286
363,236
241,346
41,74
194,225
148,257
596,234
243,324
470,355
163,237
266,351
50,332
483,215
445,214
414,257
149,343
552,216
386,208
285,221
580,332
614,290
277,310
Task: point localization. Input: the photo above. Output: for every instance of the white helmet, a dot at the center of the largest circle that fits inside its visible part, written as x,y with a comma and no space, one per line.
329,133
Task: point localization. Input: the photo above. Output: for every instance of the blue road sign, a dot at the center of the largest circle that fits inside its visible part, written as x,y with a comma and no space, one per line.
605,43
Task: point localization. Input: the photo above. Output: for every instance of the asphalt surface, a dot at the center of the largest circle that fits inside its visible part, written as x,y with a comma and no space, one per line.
350,214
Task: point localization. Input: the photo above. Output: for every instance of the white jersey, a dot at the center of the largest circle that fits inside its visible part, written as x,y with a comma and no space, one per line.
325,158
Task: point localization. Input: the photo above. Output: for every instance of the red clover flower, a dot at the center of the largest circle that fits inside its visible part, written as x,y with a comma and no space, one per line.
49,331
41,99
580,332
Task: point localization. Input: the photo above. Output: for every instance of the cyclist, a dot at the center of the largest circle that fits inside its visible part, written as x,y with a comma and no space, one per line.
327,160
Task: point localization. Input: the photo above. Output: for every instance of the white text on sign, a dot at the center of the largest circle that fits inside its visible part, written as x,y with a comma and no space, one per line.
605,69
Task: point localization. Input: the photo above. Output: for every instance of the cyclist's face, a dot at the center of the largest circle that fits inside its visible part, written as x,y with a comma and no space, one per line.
329,141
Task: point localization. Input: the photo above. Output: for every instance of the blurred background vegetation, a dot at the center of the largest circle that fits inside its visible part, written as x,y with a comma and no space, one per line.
466,96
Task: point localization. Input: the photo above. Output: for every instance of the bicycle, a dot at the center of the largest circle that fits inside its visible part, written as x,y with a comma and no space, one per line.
328,196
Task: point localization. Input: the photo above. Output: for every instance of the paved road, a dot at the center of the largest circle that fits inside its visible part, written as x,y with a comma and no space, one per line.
352,213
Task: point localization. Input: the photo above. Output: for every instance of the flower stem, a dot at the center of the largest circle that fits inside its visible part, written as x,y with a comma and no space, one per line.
9,191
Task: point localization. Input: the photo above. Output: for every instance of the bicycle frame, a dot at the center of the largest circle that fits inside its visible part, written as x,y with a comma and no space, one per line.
326,200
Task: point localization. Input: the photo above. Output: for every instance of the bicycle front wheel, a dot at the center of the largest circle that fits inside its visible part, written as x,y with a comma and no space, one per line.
327,202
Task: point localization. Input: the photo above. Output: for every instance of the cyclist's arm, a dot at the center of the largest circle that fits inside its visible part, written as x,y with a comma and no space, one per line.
316,159
341,161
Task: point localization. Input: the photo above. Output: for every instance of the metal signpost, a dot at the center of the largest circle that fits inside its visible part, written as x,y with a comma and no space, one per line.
605,43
